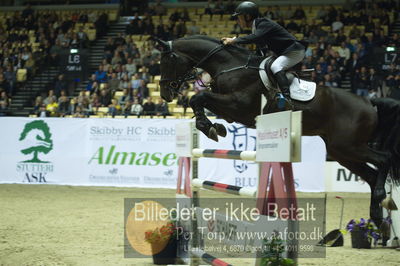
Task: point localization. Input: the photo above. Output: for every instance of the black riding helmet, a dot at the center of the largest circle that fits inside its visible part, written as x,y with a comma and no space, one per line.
246,8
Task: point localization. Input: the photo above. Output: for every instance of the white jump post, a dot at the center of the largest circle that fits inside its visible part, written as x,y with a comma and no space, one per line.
278,145
393,191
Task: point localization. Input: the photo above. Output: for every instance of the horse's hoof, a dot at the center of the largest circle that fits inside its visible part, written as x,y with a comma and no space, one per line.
212,134
221,130
379,194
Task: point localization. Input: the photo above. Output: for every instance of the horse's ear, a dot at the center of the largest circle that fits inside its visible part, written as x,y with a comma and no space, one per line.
166,47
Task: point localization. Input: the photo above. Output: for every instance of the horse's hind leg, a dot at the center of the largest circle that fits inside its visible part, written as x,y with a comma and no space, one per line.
370,176
365,154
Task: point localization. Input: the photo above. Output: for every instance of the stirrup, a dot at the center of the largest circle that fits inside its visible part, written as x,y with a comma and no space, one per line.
283,101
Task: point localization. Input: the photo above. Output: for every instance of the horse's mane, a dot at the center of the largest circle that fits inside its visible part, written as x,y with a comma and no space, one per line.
217,41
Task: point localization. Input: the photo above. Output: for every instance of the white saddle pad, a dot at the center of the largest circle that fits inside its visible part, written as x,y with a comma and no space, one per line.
302,90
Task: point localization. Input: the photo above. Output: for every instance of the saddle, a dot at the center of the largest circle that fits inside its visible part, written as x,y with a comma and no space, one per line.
300,88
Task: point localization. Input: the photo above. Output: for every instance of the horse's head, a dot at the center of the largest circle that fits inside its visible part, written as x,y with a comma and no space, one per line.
175,69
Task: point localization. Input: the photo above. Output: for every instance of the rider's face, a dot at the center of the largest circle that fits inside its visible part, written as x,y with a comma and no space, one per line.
242,21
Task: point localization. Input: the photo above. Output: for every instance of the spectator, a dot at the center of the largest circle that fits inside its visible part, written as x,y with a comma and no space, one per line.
292,26
355,32
126,108
193,29
116,59
114,108
144,75
161,108
136,108
92,84
109,48
135,82
101,75
344,52
131,67
149,107
42,112
337,24
63,106
38,103
124,98
105,98
124,83
154,68
4,98
113,83
79,113
361,82
51,98
159,9
299,13
374,82
394,40
60,85
52,107
4,84
219,8
3,108
209,8
10,77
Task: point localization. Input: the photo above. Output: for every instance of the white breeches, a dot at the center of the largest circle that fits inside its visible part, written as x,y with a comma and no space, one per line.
287,60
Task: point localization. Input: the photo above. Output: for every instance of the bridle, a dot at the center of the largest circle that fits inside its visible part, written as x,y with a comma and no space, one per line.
176,83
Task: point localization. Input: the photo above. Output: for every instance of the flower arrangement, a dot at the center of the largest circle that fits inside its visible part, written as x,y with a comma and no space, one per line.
272,253
162,234
367,227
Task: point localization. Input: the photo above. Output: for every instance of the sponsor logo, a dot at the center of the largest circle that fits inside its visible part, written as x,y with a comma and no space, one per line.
36,139
109,156
115,133
347,176
244,142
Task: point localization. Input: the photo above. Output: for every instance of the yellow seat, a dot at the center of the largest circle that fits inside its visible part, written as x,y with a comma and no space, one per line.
22,74
155,94
152,86
102,110
118,94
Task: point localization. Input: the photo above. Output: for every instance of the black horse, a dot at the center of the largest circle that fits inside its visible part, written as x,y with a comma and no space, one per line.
355,132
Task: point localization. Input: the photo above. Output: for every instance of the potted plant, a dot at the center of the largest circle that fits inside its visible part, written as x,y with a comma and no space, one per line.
163,242
363,232
272,253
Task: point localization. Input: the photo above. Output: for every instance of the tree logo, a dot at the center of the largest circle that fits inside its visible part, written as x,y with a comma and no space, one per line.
37,136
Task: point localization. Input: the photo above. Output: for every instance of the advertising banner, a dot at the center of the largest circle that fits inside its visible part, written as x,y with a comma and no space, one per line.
130,152
114,152
340,179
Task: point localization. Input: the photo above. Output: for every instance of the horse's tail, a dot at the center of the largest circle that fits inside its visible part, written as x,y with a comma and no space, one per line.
388,132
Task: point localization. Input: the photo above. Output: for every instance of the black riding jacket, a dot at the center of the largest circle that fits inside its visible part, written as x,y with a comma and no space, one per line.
271,34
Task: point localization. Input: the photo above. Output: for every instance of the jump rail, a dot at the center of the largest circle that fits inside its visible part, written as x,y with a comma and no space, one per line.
225,154
275,177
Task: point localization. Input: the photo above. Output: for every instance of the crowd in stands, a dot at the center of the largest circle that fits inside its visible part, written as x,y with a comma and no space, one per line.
30,39
341,43
341,40
119,85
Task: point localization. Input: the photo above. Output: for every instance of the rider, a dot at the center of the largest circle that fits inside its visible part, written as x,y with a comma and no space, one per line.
266,32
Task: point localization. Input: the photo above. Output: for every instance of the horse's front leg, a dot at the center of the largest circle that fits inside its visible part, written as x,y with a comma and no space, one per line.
198,102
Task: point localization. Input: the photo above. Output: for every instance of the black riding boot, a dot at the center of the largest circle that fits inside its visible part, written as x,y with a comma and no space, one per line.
283,83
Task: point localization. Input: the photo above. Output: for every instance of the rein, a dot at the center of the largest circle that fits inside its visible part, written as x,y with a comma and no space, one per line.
245,66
